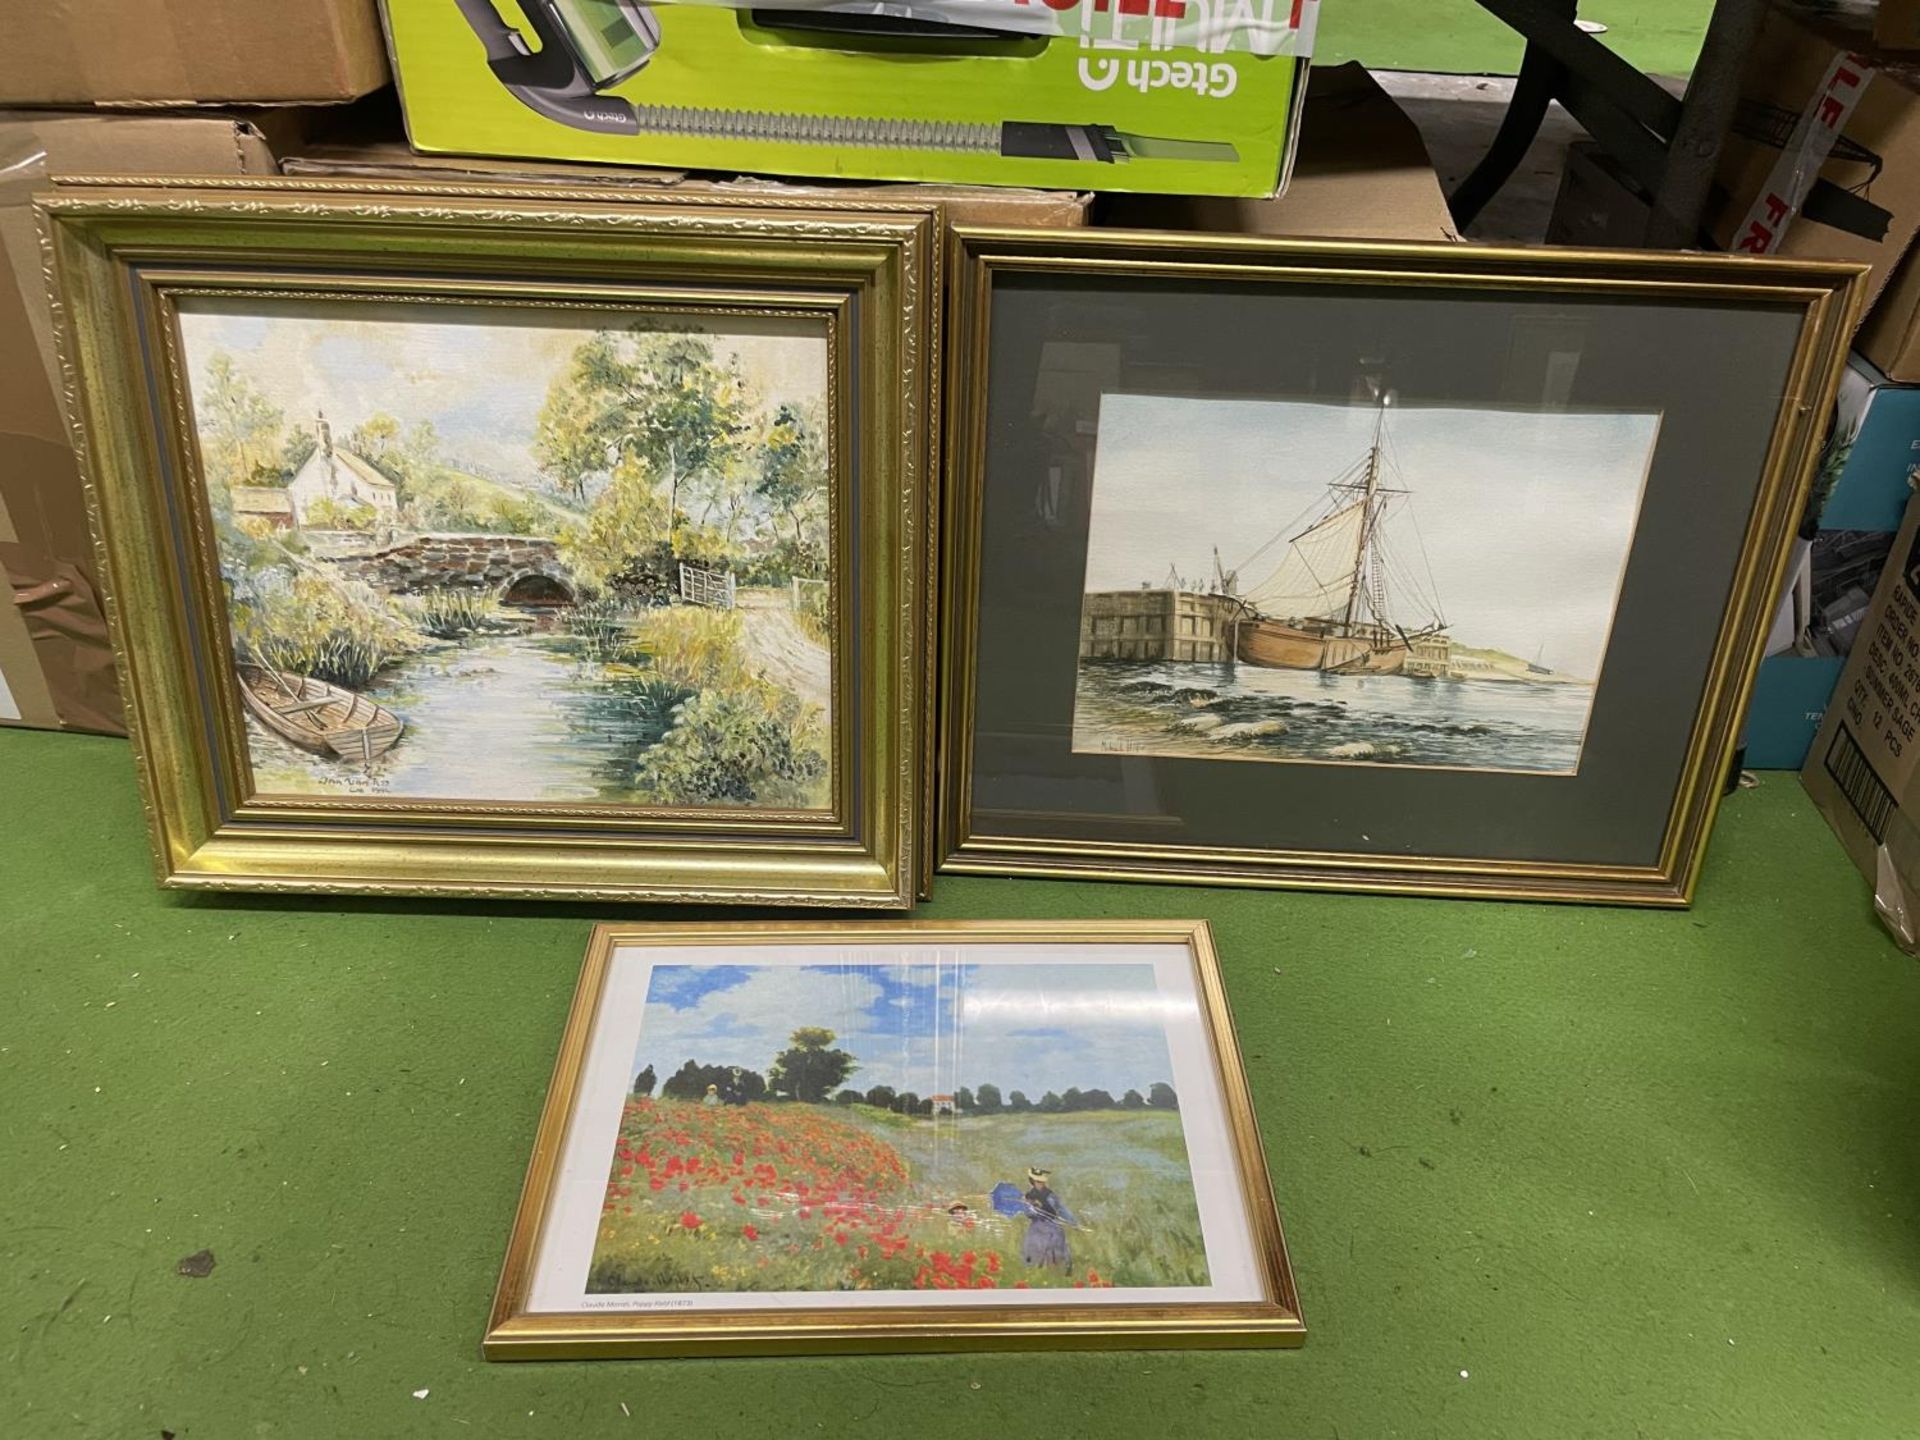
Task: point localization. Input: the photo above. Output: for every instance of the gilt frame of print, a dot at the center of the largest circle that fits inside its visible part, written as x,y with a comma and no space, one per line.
512,542
906,1135
1416,569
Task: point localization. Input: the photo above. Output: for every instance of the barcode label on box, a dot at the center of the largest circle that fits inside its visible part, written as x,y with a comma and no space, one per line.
1851,772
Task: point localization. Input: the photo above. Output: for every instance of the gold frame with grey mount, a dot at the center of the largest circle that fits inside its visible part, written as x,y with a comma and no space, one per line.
1827,298
514,1332
122,253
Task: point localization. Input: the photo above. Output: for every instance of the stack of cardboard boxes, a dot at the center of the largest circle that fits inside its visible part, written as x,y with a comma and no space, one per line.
121,87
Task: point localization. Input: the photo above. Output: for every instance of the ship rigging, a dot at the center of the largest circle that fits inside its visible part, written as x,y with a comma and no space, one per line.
1349,595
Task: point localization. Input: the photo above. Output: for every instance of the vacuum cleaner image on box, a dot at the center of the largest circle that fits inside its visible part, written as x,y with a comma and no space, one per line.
586,47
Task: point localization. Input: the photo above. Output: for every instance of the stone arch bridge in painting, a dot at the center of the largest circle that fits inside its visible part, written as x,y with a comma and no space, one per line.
519,569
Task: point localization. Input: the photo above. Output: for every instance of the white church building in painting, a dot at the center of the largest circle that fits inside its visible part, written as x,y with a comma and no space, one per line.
335,473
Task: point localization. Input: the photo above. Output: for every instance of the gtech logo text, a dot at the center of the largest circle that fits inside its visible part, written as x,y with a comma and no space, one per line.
1216,79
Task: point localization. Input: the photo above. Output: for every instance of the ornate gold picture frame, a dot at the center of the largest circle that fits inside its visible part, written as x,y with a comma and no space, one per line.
789,1138
1412,569
512,542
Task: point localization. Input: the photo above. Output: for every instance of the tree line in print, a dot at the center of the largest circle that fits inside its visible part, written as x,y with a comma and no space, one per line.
811,1071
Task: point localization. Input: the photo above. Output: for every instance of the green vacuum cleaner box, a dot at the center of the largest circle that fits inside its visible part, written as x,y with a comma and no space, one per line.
1164,96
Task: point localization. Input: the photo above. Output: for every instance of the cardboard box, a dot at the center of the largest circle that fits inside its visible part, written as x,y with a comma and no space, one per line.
1867,472
1157,96
1362,172
53,643
1860,494
191,52
370,156
1864,769
1824,162
1896,25
1597,206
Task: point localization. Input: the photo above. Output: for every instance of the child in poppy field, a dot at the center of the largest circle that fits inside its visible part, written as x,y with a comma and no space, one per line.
1046,1242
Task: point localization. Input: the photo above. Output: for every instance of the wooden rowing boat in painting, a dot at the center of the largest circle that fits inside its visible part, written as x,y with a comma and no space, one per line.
318,717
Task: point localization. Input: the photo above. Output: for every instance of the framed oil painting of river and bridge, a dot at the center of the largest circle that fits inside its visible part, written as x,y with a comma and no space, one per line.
1410,569
489,541
907,1135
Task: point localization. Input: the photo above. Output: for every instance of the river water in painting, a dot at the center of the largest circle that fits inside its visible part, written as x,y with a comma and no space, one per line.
575,733
1249,713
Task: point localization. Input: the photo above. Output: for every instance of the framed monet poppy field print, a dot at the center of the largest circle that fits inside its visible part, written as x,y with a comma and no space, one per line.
905,1135
509,543
1395,568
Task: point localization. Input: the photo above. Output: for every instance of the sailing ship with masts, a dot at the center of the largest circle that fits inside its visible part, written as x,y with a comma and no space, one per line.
1349,594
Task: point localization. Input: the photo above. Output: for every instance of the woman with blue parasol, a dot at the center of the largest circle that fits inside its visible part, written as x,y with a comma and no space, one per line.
1047,1219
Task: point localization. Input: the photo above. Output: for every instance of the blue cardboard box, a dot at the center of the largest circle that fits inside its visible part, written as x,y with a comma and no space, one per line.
1861,491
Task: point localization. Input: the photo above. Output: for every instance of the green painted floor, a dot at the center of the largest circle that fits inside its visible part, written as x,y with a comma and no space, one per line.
1546,1172
1662,37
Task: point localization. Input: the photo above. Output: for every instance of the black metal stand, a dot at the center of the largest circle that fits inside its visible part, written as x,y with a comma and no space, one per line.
1669,147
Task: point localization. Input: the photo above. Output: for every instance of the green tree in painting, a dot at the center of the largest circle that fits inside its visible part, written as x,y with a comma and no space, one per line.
409,456
963,1099
242,433
1050,1104
644,1082
657,397
300,445
625,520
1161,1097
1133,1100
811,1068
375,439
793,481
1019,1103
731,1083
987,1100
881,1097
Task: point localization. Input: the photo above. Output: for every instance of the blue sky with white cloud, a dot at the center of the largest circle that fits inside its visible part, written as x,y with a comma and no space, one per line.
925,1028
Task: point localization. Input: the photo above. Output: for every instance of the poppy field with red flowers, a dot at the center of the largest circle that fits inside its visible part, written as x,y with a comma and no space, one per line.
798,1197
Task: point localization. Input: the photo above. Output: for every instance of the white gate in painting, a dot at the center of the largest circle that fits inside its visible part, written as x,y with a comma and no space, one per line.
706,587
804,590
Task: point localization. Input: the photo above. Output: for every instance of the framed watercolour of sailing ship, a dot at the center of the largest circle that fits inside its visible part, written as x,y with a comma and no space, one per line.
483,541
906,1135
1438,570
